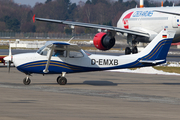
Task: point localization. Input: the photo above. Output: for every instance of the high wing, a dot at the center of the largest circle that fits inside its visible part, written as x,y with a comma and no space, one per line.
59,45
105,27
55,45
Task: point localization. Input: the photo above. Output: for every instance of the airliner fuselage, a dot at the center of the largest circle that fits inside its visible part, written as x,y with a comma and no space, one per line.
150,21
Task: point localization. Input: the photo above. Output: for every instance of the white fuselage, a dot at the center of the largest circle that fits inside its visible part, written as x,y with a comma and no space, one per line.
149,21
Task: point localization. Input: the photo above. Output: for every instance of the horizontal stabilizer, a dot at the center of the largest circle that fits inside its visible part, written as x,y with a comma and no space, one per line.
151,61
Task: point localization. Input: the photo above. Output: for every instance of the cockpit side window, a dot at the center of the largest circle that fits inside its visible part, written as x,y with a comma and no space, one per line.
59,53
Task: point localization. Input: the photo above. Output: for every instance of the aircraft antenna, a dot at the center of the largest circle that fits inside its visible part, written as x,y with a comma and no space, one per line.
71,39
141,3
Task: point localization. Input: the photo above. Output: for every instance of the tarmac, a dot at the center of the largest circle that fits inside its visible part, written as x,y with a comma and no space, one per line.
101,95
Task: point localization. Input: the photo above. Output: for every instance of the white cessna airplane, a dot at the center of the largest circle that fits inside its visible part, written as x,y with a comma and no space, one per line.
140,24
61,58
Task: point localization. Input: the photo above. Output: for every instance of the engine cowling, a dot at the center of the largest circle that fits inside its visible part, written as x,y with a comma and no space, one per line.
103,41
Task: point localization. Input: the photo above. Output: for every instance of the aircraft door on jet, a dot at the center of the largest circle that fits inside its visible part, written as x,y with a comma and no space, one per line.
175,22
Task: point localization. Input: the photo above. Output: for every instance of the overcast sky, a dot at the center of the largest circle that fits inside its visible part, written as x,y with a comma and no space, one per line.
33,2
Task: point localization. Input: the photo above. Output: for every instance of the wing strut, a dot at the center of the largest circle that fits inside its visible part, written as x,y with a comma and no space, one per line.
49,59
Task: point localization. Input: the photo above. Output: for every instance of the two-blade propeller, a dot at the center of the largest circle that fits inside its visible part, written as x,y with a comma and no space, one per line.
9,59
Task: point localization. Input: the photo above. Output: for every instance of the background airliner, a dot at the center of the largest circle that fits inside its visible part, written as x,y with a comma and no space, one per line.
140,24
151,21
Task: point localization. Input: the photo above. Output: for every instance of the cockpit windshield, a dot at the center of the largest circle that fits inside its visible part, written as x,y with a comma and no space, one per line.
40,49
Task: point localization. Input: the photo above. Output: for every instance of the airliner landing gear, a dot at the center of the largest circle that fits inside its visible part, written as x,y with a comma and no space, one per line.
134,50
61,79
131,40
26,80
129,51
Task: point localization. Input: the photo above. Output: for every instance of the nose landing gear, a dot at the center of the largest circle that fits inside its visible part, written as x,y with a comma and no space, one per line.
27,80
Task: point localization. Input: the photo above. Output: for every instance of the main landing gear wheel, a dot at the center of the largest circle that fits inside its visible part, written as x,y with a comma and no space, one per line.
61,80
58,78
134,50
127,51
26,81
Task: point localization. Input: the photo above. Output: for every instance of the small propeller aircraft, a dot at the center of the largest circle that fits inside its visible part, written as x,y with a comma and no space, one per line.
63,57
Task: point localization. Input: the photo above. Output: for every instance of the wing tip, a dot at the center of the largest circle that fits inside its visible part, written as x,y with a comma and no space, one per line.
34,18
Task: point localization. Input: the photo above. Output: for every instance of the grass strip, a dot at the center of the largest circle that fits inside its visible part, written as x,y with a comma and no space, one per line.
168,69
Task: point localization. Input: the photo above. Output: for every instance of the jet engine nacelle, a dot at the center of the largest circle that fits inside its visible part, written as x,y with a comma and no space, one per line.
103,41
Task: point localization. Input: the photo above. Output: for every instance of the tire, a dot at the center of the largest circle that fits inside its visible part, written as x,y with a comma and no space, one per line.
134,50
62,80
58,78
26,82
127,51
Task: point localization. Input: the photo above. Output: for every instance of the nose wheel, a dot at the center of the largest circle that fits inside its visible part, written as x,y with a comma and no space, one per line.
26,80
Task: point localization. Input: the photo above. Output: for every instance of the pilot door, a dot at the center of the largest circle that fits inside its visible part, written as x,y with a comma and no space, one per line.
59,53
